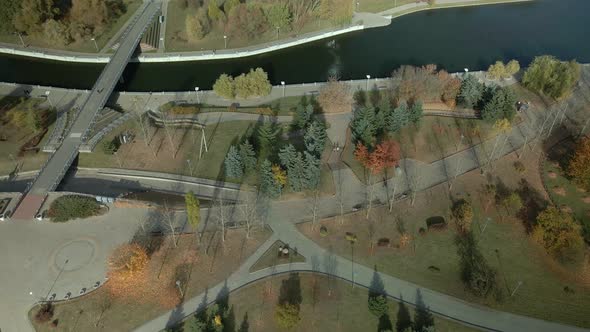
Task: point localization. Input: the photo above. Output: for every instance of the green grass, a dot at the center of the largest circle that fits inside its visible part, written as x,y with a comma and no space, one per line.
504,243
326,305
86,46
176,38
16,137
574,194
434,139
271,257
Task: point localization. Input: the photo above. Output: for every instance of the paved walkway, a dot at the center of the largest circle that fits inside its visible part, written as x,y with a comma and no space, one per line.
417,6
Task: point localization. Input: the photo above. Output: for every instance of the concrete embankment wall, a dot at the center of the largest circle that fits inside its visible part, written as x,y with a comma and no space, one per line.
183,56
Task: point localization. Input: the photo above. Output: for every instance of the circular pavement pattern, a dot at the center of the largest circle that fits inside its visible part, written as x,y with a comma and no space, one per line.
78,253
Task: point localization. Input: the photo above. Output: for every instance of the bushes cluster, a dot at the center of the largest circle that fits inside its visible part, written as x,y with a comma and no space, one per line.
253,84
73,207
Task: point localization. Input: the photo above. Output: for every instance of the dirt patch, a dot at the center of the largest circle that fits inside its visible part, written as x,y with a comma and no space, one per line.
559,191
586,200
552,175
581,190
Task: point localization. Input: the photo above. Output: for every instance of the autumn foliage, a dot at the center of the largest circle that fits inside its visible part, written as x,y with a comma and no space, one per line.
335,97
134,277
559,233
385,155
579,165
426,83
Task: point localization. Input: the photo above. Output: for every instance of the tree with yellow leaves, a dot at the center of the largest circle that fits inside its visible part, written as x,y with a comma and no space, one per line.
579,165
559,234
280,175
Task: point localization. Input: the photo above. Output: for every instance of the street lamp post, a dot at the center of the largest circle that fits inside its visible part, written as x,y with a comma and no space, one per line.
197,92
95,44
49,99
368,78
466,71
20,36
283,84
190,166
225,40
179,288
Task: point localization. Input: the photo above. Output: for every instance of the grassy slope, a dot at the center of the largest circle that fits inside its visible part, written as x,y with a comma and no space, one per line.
517,258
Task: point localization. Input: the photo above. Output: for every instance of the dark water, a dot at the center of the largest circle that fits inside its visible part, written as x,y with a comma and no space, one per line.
456,38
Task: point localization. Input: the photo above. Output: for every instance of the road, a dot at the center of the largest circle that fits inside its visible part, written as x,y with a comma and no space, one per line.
59,162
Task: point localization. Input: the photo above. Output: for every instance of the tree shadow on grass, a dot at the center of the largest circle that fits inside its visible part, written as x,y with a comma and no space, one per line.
423,319
404,321
290,292
533,203
245,325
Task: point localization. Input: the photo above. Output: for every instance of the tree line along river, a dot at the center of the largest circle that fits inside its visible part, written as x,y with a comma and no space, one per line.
454,38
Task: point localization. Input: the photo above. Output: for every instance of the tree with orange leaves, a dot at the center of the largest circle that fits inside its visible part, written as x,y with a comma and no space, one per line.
385,155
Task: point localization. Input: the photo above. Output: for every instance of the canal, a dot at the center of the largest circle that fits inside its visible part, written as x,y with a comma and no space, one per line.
455,38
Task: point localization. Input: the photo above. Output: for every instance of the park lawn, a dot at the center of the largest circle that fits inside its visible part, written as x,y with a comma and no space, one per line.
137,156
435,138
86,46
271,257
564,192
17,137
327,304
177,40
503,240
214,263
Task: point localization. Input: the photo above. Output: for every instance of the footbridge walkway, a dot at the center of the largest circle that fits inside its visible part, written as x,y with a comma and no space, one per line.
59,162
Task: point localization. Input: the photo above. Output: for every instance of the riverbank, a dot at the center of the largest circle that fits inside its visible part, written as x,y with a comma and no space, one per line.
361,21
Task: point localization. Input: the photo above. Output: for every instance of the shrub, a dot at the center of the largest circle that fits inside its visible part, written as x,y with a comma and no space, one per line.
378,305
323,231
253,84
224,86
559,233
463,215
72,207
551,77
45,313
264,111
519,167
287,315
183,109
422,231
350,237
383,242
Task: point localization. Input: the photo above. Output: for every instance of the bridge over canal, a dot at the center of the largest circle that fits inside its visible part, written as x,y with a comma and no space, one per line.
60,161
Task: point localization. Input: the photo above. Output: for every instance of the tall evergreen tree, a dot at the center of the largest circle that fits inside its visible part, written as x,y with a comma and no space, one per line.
269,186
311,171
233,164
471,92
248,156
363,126
398,118
303,114
315,138
415,112
267,137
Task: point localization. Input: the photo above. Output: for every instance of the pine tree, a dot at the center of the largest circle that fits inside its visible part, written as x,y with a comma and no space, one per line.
287,155
363,126
293,162
471,92
302,116
267,137
268,184
311,170
315,138
233,164
398,118
415,113
248,156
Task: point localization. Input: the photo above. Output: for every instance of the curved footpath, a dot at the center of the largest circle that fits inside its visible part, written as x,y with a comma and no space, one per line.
360,21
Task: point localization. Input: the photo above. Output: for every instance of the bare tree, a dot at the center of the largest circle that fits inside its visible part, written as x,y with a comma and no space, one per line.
221,217
168,218
340,195
249,209
143,123
105,302
169,130
314,199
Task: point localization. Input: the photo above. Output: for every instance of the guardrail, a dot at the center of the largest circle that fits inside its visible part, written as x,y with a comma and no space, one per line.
91,143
